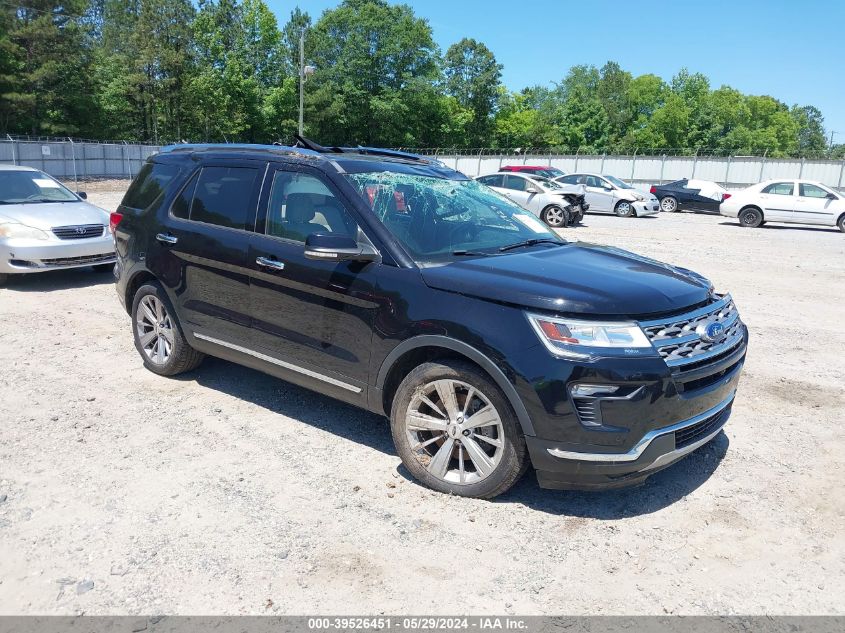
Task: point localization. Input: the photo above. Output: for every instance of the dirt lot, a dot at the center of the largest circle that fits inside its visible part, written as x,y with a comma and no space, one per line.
227,491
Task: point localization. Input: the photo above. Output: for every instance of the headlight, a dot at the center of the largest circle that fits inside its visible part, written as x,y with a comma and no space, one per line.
13,229
571,338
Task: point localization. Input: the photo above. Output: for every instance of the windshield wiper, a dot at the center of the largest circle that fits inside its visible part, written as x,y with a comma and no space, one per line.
531,242
464,253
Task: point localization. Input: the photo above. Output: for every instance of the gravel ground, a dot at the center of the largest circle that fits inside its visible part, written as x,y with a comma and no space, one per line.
227,491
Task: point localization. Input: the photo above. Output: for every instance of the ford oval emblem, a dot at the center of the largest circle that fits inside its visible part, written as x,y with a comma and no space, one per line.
712,332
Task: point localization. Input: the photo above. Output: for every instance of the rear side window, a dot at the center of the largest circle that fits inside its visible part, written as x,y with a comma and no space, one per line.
221,196
149,185
570,180
779,189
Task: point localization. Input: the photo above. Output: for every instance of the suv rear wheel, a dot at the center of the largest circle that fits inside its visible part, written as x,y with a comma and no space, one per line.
456,432
158,335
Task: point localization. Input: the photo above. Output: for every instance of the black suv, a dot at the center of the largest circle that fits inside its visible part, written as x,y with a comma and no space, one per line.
391,282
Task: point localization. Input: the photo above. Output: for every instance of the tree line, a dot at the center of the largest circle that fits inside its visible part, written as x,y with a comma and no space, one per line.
225,70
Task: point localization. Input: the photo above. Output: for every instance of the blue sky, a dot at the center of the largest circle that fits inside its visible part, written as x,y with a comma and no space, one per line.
792,50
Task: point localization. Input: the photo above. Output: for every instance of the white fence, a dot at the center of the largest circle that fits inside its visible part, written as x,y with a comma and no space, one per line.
77,160
83,160
734,172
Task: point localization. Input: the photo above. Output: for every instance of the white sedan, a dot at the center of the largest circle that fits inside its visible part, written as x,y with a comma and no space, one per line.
789,201
45,226
608,194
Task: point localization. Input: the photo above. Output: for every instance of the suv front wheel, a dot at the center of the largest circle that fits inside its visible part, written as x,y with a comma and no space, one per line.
456,432
158,335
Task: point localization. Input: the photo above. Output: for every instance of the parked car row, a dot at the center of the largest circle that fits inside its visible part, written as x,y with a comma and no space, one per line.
793,201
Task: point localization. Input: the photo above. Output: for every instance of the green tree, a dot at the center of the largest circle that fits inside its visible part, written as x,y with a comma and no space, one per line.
472,78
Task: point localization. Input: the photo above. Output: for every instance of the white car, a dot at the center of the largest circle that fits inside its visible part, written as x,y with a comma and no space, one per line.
786,200
557,205
608,194
45,226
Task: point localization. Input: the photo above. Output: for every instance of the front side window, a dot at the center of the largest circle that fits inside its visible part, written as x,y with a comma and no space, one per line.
31,187
593,181
223,196
441,219
301,204
812,191
779,189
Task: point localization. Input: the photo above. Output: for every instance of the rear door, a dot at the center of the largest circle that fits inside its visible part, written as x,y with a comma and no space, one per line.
312,319
514,187
814,206
778,201
203,248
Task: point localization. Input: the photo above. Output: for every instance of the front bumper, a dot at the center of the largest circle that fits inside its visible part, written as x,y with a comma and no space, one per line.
657,414
32,256
647,207
658,449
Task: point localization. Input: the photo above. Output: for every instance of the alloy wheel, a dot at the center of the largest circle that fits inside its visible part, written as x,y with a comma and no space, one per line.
624,209
454,431
154,329
668,204
555,217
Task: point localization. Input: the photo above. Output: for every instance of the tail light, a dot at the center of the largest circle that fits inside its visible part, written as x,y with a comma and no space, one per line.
653,189
114,220
725,196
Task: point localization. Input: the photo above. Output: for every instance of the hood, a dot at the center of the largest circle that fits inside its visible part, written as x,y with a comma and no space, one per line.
47,215
577,278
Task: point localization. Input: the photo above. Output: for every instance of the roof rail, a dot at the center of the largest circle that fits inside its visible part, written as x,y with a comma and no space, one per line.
303,142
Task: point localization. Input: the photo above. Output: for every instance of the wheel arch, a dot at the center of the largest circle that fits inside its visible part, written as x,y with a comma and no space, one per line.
751,206
137,280
424,348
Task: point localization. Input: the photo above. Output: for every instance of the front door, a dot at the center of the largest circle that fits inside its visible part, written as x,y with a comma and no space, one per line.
201,248
813,205
312,319
599,194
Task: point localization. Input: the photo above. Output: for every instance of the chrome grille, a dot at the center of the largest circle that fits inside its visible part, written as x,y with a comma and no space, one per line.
678,342
78,232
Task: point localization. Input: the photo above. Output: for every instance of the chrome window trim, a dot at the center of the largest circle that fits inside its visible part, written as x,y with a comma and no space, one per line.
647,439
280,363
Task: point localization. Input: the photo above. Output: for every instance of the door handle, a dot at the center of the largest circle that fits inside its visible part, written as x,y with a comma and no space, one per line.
270,263
166,238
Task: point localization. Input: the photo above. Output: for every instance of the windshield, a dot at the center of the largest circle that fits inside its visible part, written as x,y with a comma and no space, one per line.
550,172
439,219
31,187
548,184
619,183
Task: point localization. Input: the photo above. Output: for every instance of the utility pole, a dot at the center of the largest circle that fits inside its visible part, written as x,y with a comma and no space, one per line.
830,148
301,76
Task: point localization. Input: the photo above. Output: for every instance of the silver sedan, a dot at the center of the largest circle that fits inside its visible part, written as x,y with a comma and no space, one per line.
45,226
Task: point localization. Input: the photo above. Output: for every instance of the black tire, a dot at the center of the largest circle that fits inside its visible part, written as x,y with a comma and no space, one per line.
669,204
512,460
103,268
751,217
556,216
624,209
182,357
840,223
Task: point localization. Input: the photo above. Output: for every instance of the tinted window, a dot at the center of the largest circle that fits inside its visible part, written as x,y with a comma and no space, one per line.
569,180
301,205
149,184
812,191
516,183
492,181
592,181
182,204
223,195
779,188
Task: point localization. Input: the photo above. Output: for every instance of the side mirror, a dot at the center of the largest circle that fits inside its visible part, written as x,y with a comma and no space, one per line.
338,248
831,196
607,187
82,195
532,190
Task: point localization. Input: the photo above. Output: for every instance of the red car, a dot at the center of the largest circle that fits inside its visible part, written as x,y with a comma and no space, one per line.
536,170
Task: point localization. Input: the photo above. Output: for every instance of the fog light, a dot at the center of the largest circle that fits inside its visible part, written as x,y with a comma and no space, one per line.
594,390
